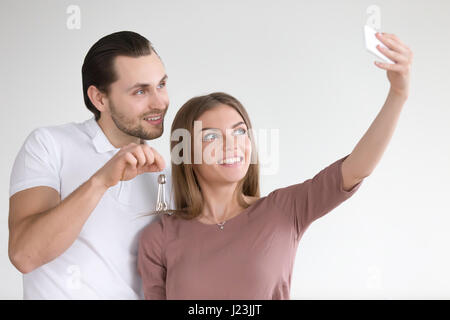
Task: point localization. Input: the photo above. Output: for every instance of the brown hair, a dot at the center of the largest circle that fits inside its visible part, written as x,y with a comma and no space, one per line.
186,190
98,65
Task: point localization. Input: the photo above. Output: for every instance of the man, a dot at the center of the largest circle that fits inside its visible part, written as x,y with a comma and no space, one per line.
78,190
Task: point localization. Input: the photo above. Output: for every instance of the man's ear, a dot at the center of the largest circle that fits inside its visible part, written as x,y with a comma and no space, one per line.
98,98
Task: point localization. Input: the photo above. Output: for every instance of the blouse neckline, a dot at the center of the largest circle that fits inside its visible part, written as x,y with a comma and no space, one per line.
227,222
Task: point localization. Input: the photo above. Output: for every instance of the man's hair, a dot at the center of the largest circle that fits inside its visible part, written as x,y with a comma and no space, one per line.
98,66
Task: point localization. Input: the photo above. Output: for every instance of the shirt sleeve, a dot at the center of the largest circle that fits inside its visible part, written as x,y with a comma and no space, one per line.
36,164
151,263
305,202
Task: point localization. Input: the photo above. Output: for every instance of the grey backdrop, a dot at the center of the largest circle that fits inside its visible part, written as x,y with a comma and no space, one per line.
297,66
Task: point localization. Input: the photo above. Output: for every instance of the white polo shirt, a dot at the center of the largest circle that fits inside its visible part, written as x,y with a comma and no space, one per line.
101,263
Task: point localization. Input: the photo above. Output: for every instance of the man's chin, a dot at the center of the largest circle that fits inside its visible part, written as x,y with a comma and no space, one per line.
153,134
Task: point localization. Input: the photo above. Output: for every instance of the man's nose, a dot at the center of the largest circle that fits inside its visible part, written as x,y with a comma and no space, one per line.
158,101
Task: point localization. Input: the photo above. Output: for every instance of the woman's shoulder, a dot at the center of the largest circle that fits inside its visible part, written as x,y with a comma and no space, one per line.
256,204
250,199
156,228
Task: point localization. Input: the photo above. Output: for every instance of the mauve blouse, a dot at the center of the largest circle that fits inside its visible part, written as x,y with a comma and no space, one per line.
251,258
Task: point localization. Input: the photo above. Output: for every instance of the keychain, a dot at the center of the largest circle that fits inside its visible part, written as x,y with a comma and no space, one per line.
161,204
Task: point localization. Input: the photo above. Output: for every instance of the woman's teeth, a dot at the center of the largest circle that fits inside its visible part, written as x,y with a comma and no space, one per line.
230,160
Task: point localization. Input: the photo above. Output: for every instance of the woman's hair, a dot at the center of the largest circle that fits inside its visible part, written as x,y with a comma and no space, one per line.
185,187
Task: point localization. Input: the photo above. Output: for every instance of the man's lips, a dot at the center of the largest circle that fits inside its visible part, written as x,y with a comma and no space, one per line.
155,119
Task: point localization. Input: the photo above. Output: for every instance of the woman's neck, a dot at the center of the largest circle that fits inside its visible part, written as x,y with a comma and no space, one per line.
220,202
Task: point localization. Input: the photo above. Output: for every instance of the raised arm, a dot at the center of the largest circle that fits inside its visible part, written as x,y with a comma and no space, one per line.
367,153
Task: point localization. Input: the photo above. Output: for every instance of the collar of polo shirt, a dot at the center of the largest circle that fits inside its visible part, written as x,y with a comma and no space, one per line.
99,139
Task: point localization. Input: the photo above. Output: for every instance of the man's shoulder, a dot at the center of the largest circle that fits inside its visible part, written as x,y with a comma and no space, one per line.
56,129
55,133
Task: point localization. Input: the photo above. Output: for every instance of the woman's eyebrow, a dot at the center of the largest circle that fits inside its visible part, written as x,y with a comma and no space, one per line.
238,124
234,126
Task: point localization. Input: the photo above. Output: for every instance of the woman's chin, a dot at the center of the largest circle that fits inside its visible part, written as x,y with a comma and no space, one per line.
230,176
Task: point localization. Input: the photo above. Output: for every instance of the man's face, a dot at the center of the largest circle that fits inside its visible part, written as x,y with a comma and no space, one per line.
138,100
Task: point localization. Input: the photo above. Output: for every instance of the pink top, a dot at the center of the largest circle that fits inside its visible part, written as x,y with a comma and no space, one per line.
251,258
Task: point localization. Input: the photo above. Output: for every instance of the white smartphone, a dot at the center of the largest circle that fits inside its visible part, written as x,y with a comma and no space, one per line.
372,42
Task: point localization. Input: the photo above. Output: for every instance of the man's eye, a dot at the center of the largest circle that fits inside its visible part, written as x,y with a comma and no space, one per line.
163,84
239,131
140,92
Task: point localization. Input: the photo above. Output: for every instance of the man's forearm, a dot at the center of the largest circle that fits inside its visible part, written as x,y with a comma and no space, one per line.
45,236
369,150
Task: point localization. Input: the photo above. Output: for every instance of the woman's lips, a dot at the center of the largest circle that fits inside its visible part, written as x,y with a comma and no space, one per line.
231,162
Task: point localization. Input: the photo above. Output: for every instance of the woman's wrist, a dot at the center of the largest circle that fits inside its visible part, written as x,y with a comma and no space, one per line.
400,94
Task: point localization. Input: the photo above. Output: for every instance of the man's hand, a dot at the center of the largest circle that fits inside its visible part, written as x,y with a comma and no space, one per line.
398,73
128,162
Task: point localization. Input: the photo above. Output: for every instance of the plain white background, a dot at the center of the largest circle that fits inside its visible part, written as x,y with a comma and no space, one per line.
297,66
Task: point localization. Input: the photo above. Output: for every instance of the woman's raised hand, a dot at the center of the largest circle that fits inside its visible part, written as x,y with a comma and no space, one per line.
398,73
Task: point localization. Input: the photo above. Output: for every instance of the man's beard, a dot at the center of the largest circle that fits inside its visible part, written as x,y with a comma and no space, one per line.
126,125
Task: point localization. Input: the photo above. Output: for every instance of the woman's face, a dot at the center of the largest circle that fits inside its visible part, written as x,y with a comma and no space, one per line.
226,147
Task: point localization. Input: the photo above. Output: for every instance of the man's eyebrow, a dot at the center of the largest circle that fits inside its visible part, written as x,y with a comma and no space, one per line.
144,85
234,126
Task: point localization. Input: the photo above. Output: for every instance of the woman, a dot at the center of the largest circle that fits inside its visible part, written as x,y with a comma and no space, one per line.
224,241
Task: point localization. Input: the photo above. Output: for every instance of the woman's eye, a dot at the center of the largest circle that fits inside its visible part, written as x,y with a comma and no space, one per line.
239,131
209,137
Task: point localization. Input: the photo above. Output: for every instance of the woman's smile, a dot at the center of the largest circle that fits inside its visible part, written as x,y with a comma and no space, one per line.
231,162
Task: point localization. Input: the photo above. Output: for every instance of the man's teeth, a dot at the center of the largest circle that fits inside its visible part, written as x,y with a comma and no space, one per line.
230,160
153,118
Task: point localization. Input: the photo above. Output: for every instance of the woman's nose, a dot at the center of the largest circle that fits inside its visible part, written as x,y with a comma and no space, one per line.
231,144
